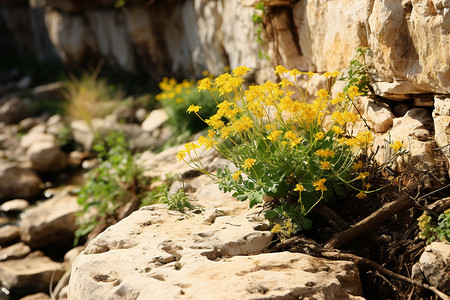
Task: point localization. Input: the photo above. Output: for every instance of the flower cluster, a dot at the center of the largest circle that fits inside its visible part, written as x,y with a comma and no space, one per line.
279,141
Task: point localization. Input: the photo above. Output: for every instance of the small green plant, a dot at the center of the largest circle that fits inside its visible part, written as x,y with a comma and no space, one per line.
281,147
116,181
431,230
257,19
358,73
178,201
176,98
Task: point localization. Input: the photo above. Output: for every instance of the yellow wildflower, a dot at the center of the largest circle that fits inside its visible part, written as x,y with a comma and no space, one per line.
181,154
241,71
295,72
276,228
319,135
205,84
325,165
362,175
248,163
193,108
353,91
339,98
299,187
236,175
285,82
319,185
208,143
280,70
361,195
396,146
190,146
337,130
325,153
357,165
322,93
273,136
243,124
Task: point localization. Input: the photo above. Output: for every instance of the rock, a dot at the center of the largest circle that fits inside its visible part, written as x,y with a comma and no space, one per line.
46,156
38,296
434,266
14,206
442,134
413,130
14,110
378,115
441,105
155,119
188,257
30,274
34,137
50,90
9,234
24,83
28,123
16,251
396,34
50,223
16,182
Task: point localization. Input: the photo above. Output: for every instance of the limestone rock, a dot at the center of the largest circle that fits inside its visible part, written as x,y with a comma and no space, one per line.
155,253
8,234
14,206
50,223
434,266
14,110
35,136
46,156
413,130
15,251
16,182
38,296
378,115
155,119
29,275
441,105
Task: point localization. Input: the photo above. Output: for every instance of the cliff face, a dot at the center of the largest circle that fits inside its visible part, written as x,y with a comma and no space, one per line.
409,39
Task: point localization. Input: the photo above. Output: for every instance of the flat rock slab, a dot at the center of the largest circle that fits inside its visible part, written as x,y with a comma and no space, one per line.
30,274
19,250
160,254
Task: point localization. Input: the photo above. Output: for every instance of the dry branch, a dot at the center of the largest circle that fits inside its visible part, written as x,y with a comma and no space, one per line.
373,221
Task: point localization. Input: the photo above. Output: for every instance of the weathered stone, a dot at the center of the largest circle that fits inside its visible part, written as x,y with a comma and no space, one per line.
19,250
47,156
434,266
14,110
49,90
441,105
29,274
413,130
378,115
38,296
442,134
51,223
35,136
16,182
188,257
14,206
155,119
9,234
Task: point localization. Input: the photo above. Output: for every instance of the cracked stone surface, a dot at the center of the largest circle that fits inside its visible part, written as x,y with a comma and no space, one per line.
215,253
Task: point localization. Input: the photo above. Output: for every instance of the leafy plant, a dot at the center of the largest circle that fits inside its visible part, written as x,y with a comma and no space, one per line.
431,230
257,19
281,148
358,73
116,181
178,201
176,98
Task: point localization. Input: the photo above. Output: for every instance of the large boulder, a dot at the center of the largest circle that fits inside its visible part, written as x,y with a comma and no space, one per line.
17,182
156,253
50,223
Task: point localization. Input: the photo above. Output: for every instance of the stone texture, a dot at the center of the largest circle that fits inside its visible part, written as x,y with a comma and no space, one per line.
14,110
29,275
378,115
434,266
17,182
414,131
14,206
155,120
166,254
19,250
8,234
50,223
47,156
38,296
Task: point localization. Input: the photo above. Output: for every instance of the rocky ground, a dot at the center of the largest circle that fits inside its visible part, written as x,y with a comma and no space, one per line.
219,250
